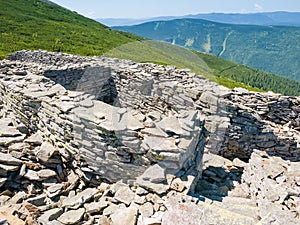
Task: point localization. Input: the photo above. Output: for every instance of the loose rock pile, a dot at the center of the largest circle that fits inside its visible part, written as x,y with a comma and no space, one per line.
71,127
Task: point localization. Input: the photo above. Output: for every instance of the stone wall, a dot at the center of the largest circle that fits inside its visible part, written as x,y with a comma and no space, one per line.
131,113
263,121
120,117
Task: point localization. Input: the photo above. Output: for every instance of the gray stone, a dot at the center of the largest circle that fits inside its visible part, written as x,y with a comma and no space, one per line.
9,160
50,215
146,209
54,190
182,213
125,195
72,216
95,207
47,150
18,146
76,201
35,139
9,132
9,168
155,174
32,175
46,174
6,141
112,208
131,122
238,163
171,124
126,216
177,185
38,200
160,144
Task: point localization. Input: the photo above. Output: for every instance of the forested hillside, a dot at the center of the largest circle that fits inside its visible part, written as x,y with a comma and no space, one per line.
269,48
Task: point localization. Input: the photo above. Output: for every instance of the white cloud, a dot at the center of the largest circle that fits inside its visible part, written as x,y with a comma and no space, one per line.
258,7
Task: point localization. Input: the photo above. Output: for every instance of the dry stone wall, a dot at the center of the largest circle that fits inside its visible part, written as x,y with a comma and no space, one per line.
131,113
120,119
263,121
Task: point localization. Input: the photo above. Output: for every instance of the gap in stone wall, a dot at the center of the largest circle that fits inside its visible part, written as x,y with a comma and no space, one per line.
96,81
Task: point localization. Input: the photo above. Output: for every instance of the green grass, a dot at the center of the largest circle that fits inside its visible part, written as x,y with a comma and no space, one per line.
32,24
166,54
162,53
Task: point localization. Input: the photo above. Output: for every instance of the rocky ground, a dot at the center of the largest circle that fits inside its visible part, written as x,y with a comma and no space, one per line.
40,185
44,181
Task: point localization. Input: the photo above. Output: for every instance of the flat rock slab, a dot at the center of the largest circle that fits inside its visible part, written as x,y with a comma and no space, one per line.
10,219
35,139
126,216
50,215
125,195
95,207
161,144
9,160
171,124
72,216
79,199
183,214
47,150
9,132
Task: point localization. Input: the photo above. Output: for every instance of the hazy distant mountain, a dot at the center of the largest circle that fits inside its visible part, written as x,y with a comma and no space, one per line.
268,18
271,18
275,49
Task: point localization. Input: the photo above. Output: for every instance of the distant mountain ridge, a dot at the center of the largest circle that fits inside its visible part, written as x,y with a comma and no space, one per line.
275,49
280,18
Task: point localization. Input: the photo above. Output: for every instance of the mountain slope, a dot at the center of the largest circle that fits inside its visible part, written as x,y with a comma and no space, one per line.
33,24
272,49
224,72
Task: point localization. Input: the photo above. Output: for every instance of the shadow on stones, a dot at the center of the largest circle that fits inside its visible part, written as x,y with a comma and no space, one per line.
217,182
249,132
95,81
275,131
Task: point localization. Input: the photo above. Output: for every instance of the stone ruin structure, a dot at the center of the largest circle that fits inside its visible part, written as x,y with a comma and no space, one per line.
151,126
123,119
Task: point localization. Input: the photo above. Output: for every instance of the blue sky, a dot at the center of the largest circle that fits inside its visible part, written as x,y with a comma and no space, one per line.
153,8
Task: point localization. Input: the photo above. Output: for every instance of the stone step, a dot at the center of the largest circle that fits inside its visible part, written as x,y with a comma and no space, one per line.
243,209
213,214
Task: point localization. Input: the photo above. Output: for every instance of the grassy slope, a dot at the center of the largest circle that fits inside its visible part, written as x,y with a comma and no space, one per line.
167,54
32,24
269,48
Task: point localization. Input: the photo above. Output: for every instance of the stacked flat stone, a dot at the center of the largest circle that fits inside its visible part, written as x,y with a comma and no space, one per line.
263,121
121,117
